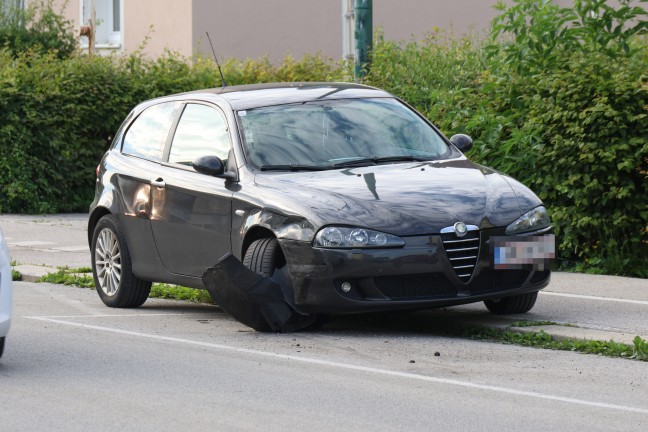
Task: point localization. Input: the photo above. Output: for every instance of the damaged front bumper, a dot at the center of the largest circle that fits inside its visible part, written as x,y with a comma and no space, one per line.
416,276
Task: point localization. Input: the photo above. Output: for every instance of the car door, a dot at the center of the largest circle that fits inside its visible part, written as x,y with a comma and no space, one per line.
191,212
142,150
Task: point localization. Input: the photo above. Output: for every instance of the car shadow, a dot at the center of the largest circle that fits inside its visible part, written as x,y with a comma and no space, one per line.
440,322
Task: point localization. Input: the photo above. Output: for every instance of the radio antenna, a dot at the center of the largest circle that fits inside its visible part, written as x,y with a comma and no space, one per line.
216,59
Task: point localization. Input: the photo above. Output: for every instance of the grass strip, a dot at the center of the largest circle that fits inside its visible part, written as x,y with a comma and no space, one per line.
67,276
166,291
79,277
637,351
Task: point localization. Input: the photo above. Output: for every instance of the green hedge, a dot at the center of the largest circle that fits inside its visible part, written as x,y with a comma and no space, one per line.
556,97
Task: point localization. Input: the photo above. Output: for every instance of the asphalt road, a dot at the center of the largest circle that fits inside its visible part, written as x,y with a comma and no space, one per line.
73,364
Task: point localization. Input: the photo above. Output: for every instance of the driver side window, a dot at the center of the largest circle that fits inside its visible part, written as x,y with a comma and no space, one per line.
201,131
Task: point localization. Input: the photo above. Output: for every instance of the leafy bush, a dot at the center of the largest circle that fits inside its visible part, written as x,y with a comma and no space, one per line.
36,28
572,84
57,116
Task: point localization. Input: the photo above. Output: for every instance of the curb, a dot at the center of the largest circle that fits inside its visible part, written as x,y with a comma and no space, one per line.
561,332
33,273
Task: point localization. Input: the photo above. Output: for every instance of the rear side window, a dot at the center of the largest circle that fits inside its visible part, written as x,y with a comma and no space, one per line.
147,135
202,131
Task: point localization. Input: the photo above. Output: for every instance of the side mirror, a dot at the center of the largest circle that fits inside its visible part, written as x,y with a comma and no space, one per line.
212,166
462,141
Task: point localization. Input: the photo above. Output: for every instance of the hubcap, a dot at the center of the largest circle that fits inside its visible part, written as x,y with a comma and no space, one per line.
108,262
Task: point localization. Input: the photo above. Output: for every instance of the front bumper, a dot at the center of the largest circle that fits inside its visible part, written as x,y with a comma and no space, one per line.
417,276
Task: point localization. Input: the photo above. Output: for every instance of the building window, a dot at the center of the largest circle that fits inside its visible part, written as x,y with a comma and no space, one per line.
108,30
7,6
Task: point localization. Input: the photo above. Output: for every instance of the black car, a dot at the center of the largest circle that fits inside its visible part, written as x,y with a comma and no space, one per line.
359,197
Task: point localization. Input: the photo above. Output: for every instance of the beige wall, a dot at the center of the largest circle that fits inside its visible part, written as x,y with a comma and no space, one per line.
170,21
168,24
253,28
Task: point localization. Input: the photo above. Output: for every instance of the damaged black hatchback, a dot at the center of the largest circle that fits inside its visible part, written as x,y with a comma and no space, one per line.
353,196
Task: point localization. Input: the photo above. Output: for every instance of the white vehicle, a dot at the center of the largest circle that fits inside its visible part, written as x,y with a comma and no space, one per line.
5,291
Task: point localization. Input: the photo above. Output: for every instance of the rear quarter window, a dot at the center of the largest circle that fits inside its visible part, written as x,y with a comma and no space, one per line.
148,134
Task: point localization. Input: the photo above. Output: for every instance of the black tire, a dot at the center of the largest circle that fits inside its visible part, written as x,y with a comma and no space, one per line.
264,256
115,282
521,303
2,339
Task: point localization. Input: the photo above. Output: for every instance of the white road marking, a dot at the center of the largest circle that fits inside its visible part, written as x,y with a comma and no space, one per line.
327,363
30,243
586,297
72,248
111,315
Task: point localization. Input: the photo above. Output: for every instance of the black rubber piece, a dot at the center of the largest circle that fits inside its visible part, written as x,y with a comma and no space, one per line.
2,340
254,290
132,291
521,303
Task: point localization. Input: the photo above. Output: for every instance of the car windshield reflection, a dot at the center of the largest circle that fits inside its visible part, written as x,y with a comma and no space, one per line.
338,133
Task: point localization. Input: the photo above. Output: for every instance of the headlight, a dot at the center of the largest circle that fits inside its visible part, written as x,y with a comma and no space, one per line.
533,220
345,237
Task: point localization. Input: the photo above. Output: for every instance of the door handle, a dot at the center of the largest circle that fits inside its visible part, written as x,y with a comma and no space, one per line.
158,182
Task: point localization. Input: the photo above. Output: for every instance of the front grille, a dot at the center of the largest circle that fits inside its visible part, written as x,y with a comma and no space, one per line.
490,280
462,253
415,286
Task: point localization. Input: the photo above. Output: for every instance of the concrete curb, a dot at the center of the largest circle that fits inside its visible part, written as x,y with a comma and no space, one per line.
32,273
558,331
561,332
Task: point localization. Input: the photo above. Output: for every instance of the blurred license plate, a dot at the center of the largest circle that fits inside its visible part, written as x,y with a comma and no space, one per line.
521,252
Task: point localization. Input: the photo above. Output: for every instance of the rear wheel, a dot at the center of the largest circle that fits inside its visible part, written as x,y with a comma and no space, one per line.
521,303
112,268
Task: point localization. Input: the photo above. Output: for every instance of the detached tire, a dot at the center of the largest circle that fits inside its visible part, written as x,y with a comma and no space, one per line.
512,305
115,282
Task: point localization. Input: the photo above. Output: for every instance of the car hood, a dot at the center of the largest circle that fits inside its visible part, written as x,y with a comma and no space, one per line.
404,198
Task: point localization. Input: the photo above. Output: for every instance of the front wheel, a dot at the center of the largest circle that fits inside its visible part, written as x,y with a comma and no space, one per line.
520,303
263,257
112,268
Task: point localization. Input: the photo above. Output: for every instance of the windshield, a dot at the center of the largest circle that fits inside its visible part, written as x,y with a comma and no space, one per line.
334,133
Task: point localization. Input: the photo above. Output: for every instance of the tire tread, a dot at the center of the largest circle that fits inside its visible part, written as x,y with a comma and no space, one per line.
520,303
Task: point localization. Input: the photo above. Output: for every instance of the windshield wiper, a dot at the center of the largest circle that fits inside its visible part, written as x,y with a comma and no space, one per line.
294,167
376,160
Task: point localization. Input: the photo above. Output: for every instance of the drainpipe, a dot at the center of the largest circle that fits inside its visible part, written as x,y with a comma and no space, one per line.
89,29
363,36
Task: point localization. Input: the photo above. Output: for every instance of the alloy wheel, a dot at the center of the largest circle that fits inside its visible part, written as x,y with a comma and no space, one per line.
108,261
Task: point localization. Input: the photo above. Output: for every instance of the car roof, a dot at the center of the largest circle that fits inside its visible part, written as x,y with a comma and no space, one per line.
257,95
